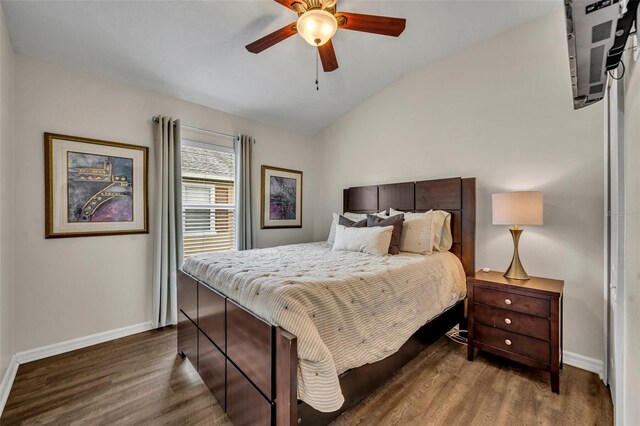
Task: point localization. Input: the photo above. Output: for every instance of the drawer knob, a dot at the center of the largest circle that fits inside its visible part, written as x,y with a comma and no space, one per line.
507,301
507,320
508,342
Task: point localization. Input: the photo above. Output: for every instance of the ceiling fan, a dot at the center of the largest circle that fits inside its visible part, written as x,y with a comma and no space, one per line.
318,21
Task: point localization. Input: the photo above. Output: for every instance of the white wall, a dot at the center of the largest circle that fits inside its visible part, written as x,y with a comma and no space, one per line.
6,206
632,243
500,111
74,287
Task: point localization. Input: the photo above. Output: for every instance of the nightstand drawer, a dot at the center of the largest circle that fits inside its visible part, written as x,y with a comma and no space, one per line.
527,325
512,302
529,347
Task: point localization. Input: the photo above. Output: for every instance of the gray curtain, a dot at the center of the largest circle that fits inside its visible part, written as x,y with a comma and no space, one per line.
167,250
245,239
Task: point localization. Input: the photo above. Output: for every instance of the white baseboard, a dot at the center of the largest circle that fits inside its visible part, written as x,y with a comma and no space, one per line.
80,342
60,348
7,381
584,363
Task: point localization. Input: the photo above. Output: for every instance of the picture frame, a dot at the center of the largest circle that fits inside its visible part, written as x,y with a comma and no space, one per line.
95,187
280,198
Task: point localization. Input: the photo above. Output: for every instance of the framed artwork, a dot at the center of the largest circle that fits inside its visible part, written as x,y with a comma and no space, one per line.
281,198
94,187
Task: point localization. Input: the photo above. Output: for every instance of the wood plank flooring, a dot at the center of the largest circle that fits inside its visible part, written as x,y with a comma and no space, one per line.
440,387
140,380
134,380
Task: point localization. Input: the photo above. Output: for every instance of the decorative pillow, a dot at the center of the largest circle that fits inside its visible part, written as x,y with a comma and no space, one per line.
417,232
366,240
394,212
352,224
395,221
351,216
355,216
332,230
442,238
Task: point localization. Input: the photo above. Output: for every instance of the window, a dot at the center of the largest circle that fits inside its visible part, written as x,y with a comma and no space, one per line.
198,219
208,198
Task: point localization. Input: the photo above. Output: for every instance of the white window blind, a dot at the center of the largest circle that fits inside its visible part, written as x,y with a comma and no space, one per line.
208,199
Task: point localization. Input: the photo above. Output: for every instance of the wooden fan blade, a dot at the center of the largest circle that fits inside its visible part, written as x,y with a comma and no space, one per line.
328,57
271,39
287,3
383,25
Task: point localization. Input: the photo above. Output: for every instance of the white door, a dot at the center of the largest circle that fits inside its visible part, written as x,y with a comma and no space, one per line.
615,226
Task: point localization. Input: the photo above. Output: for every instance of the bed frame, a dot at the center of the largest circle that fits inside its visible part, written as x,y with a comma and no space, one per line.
251,366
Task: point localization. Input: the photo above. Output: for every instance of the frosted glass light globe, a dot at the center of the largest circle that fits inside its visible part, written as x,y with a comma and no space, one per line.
317,26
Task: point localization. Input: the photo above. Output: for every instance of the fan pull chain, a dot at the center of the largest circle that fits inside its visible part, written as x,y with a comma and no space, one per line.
317,58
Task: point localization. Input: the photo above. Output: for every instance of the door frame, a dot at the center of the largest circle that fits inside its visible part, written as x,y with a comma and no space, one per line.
614,289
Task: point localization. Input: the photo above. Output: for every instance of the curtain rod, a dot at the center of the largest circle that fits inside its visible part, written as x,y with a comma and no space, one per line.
156,119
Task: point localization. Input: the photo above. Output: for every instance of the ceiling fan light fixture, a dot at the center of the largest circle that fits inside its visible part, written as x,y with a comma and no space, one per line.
317,26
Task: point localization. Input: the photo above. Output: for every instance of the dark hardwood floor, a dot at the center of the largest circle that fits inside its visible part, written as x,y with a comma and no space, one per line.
134,380
140,380
440,387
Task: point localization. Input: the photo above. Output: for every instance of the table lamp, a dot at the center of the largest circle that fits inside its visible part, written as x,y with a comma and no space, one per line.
517,208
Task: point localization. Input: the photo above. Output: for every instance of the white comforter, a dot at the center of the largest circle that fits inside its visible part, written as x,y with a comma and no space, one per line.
346,308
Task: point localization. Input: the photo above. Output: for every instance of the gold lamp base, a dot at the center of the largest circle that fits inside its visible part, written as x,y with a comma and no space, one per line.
516,270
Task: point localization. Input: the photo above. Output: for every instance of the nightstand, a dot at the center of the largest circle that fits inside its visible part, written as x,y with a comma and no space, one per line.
518,320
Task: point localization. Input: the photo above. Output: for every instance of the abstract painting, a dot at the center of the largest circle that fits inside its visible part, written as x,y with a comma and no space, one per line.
100,188
94,187
281,198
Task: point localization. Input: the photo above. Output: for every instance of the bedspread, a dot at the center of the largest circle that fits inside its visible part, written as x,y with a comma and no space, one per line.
347,309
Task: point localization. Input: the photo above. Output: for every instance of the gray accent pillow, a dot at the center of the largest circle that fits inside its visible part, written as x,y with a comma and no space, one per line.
352,224
395,221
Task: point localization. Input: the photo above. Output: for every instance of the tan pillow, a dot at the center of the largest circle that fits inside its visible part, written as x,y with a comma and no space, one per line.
395,221
417,232
366,240
442,238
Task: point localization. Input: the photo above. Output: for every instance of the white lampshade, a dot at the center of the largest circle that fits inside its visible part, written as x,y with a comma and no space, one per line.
517,208
317,26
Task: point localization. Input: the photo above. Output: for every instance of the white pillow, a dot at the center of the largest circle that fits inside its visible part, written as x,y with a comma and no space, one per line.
351,216
383,214
373,240
332,231
355,216
442,238
417,232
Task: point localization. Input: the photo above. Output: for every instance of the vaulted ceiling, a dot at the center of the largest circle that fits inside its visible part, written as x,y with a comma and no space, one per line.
194,50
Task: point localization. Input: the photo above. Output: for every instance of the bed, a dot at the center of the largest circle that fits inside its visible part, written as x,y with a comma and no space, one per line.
298,334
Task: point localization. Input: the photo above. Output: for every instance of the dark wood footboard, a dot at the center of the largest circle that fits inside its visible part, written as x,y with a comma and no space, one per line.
249,365
286,364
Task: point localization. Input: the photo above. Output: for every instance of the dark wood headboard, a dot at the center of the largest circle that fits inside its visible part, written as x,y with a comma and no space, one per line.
455,195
